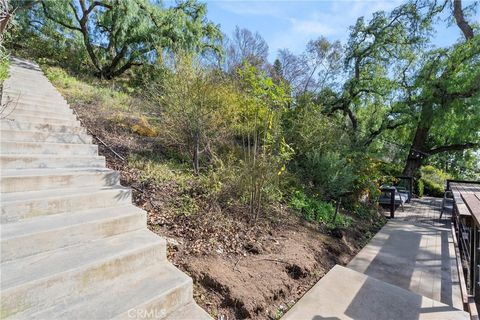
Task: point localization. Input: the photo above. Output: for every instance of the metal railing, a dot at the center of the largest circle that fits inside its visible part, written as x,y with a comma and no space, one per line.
466,233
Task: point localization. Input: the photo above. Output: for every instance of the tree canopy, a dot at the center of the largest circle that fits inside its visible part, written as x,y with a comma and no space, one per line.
118,35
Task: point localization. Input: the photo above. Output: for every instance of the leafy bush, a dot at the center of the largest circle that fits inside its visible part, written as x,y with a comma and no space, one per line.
4,64
433,180
195,109
331,174
314,210
432,189
419,188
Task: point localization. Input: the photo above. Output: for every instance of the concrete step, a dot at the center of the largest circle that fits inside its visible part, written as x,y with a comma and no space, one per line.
29,126
152,293
43,120
190,311
31,100
47,105
29,80
64,113
46,109
46,179
33,96
33,236
346,294
25,87
33,148
21,161
39,136
18,206
49,278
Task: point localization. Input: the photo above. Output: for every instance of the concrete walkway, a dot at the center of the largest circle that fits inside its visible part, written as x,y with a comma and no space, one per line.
407,271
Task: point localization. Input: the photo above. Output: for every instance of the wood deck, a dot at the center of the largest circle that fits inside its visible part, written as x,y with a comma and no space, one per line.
415,251
407,271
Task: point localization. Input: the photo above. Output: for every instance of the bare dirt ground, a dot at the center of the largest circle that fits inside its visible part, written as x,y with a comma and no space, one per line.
241,270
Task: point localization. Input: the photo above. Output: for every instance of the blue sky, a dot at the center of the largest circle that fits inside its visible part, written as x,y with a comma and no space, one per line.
291,24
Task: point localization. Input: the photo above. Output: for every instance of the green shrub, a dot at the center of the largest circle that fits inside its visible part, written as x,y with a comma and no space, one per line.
331,173
432,189
4,65
433,181
419,188
314,210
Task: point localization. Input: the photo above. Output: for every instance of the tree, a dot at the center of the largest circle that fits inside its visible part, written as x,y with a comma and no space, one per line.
314,69
379,59
323,60
196,109
245,46
448,100
118,35
394,81
293,70
8,10
265,151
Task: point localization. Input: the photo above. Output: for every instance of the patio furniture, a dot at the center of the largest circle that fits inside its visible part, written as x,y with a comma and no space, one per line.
447,198
392,197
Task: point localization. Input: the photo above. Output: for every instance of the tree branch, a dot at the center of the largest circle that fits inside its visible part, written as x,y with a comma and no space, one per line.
454,147
45,11
95,4
376,133
460,19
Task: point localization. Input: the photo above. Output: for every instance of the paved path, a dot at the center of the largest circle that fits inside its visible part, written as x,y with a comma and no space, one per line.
415,251
407,271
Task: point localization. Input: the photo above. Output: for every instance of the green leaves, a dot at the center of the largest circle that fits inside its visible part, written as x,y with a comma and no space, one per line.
121,34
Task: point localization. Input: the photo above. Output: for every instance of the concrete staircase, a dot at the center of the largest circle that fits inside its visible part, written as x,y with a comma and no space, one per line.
72,244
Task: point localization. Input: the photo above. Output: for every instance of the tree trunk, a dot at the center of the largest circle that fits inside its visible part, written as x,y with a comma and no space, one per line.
4,23
467,30
196,153
412,165
417,150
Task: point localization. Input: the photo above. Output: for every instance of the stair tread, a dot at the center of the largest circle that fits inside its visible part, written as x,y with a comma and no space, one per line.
35,121
49,143
40,132
8,173
46,156
63,220
38,136
46,264
55,193
130,291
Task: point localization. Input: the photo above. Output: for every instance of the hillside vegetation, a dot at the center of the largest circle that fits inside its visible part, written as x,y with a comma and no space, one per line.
242,163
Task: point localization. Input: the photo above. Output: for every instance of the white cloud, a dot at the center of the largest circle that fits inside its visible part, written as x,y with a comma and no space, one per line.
312,27
332,22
